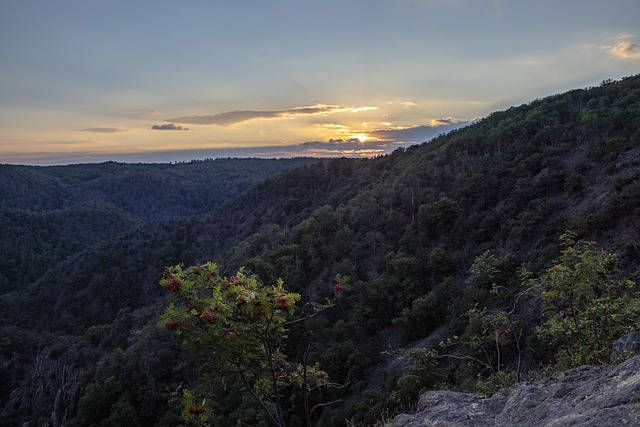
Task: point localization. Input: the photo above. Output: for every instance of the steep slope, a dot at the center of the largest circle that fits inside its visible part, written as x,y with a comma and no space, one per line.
510,185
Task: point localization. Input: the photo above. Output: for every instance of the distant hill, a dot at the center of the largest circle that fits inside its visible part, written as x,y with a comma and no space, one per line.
51,213
147,191
405,227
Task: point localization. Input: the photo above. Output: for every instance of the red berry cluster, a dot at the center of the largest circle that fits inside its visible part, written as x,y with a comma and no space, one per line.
339,287
281,303
174,285
208,317
196,410
228,284
172,325
320,375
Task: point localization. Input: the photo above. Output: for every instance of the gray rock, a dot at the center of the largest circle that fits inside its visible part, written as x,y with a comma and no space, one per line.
585,396
625,347
50,378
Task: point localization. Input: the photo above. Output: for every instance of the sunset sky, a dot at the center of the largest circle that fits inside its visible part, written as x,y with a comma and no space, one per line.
174,80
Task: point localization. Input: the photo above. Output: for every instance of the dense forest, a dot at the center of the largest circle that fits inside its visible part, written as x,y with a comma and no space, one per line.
449,257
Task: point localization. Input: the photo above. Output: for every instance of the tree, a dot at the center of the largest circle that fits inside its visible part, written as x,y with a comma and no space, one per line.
494,338
238,327
586,305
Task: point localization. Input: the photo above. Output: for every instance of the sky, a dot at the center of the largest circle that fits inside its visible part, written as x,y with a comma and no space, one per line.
174,80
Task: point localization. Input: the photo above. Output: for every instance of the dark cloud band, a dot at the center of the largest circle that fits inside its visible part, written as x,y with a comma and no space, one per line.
103,130
418,133
234,117
169,126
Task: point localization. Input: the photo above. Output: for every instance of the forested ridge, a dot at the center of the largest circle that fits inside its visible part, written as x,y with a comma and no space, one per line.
428,242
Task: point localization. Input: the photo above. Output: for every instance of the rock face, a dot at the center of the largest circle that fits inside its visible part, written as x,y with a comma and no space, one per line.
626,347
51,379
585,396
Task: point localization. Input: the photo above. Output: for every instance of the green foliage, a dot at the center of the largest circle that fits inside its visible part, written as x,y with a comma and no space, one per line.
574,183
423,374
586,306
122,415
97,401
491,270
439,217
483,340
494,340
425,312
496,381
238,327
147,191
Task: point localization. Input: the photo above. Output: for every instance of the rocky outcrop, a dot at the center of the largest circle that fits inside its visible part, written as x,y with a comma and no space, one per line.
585,396
51,379
626,347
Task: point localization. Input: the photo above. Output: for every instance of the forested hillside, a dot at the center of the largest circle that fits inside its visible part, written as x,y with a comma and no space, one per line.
428,243
51,213
147,191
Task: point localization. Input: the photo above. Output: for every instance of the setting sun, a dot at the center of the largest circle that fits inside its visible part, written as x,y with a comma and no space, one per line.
362,137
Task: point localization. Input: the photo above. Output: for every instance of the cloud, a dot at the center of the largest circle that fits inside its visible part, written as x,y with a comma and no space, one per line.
169,126
418,133
351,147
340,144
69,142
623,36
408,104
624,48
333,127
235,117
104,130
447,121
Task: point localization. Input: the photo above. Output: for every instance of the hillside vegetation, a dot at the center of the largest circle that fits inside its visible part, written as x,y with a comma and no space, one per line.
428,241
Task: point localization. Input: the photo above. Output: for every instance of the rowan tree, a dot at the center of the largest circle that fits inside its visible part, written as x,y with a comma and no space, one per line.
238,327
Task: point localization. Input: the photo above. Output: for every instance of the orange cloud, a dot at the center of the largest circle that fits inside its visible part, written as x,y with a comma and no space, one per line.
624,48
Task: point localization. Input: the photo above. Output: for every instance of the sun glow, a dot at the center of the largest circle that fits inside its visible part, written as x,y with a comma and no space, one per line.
361,136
